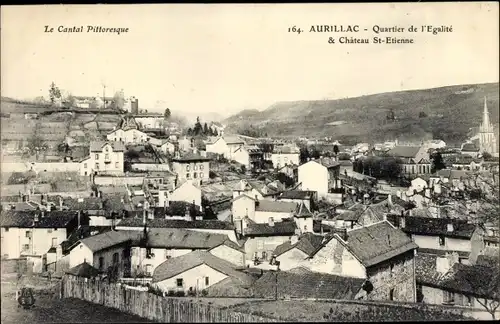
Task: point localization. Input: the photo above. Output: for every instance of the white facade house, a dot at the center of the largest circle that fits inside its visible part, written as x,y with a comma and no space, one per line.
168,148
225,145
314,177
105,157
187,192
285,155
129,136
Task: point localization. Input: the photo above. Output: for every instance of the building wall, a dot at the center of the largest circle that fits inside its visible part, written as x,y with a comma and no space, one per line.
115,164
265,244
150,167
15,241
231,234
188,193
229,254
55,167
401,278
79,254
243,207
139,262
263,216
281,159
251,193
305,224
129,136
104,180
187,170
194,278
314,177
242,156
291,259
451,244
231,149
219,147
168,148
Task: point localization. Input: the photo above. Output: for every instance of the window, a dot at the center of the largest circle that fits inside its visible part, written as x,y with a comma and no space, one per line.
6,229
201,174
305,228
201,166
195,167
97,156
116,258
55,229
264,255
85,165
449,297
26,247
187,175
441,240
106,157
28,234
49,230
54,241
117,165
149,269
101,263
97,166
207,281
168,253
195,175
391,294
180,283
106,149
187,168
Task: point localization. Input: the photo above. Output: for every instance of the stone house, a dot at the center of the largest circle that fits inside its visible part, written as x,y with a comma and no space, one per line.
379,253
191,166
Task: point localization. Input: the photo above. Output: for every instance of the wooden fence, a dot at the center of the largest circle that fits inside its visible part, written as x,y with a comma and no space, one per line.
151,306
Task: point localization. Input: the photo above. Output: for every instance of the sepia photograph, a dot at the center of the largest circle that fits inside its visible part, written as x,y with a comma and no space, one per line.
231,163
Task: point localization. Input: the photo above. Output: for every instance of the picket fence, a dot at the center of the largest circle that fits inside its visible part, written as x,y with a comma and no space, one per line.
151,306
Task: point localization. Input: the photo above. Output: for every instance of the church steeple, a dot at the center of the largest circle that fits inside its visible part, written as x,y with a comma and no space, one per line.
486,126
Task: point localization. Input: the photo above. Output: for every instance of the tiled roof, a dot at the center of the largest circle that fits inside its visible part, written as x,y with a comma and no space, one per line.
175,266
356,211
25,219
284,228
275,206
302,211
442,253
297,194
488,260
191,157
453,174
97,146
317,227
378,242
233,140
425,269
435,226
172,238
476,280
84,270
108,239
80,233
404,151
307,243
306,285
177,223
328,162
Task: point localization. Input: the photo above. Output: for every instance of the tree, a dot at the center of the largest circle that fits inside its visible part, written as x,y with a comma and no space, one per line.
486,156
118,100
205,129
243,169
284,178
422,114
437,162
54,93
390,115
344,156
167,114
198,129
215,133
336,149
35,145
189,132
304,155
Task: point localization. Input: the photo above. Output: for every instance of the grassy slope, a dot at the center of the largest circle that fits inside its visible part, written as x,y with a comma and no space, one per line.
450,115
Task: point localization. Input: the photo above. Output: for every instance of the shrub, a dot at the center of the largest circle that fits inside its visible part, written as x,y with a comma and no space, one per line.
180,293
204,293
171,293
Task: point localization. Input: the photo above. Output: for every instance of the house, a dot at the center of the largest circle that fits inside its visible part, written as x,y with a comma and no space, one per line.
304,284
185,144
249,188
359,215
318,176
440,233
104,251
298,248
104,157
261,211
250,156
300,196
264,238
225,146
161,244
168,147
127,136
291,170
379,253
463,162
469,149
285,155
191,166
414,159
35,232
195,272
444,280
188,192
149,120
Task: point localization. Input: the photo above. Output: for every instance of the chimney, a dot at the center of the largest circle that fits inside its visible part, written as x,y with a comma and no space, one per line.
449,227
203,153
49,207
294,239
389,199
187,214
344,235
79,218
402,220
36,219
321,230
60,203
43,214
271,221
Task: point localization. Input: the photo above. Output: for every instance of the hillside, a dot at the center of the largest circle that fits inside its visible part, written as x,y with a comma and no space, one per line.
451,112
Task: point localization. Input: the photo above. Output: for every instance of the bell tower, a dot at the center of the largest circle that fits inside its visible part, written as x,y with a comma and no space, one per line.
487,140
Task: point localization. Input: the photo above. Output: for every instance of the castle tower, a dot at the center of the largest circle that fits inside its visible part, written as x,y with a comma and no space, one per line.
487,140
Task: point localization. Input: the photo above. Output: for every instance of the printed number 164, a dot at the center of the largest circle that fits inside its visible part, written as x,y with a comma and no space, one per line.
294,29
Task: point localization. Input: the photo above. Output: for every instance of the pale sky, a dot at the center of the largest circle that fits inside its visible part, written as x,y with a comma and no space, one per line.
225,57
